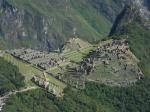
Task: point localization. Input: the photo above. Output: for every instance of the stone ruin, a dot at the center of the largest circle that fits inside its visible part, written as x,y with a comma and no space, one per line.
1,53
108,52
43,60
44,84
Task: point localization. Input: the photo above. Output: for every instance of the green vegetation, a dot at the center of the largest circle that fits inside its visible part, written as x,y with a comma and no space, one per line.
138,37
44,102
106,75
10,77
125,99
29,71
73,51
95,98
117,71
47,24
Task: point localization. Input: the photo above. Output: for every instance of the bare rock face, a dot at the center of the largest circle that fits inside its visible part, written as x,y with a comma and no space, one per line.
143,8
144,12
135,10
142,5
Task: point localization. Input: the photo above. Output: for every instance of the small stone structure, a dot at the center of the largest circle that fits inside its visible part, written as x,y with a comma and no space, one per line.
50,87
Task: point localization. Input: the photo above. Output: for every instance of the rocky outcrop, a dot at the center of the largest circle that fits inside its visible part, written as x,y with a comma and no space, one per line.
135,10
143,8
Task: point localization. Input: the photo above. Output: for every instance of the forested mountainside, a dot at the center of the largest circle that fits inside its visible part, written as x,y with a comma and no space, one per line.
47,24
10,78
98,97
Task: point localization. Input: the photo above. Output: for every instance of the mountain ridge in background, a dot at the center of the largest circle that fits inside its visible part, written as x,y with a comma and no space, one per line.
130,25
48,24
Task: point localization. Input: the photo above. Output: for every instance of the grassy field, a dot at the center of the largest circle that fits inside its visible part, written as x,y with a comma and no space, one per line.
77,54
103,74
28,71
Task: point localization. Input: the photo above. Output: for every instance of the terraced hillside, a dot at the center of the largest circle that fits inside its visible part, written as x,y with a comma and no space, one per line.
111,63
44,68
114,59
29,71
122,70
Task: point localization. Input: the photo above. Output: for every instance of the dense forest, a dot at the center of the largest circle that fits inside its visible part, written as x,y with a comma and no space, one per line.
10,78
95,98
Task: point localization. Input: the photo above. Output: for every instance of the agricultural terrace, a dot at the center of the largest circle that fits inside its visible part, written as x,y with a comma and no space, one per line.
29,71
47,66
73,51
111,63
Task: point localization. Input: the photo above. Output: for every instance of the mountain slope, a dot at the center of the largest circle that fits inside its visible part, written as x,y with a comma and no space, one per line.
10,78
134,27
97,97
47,24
